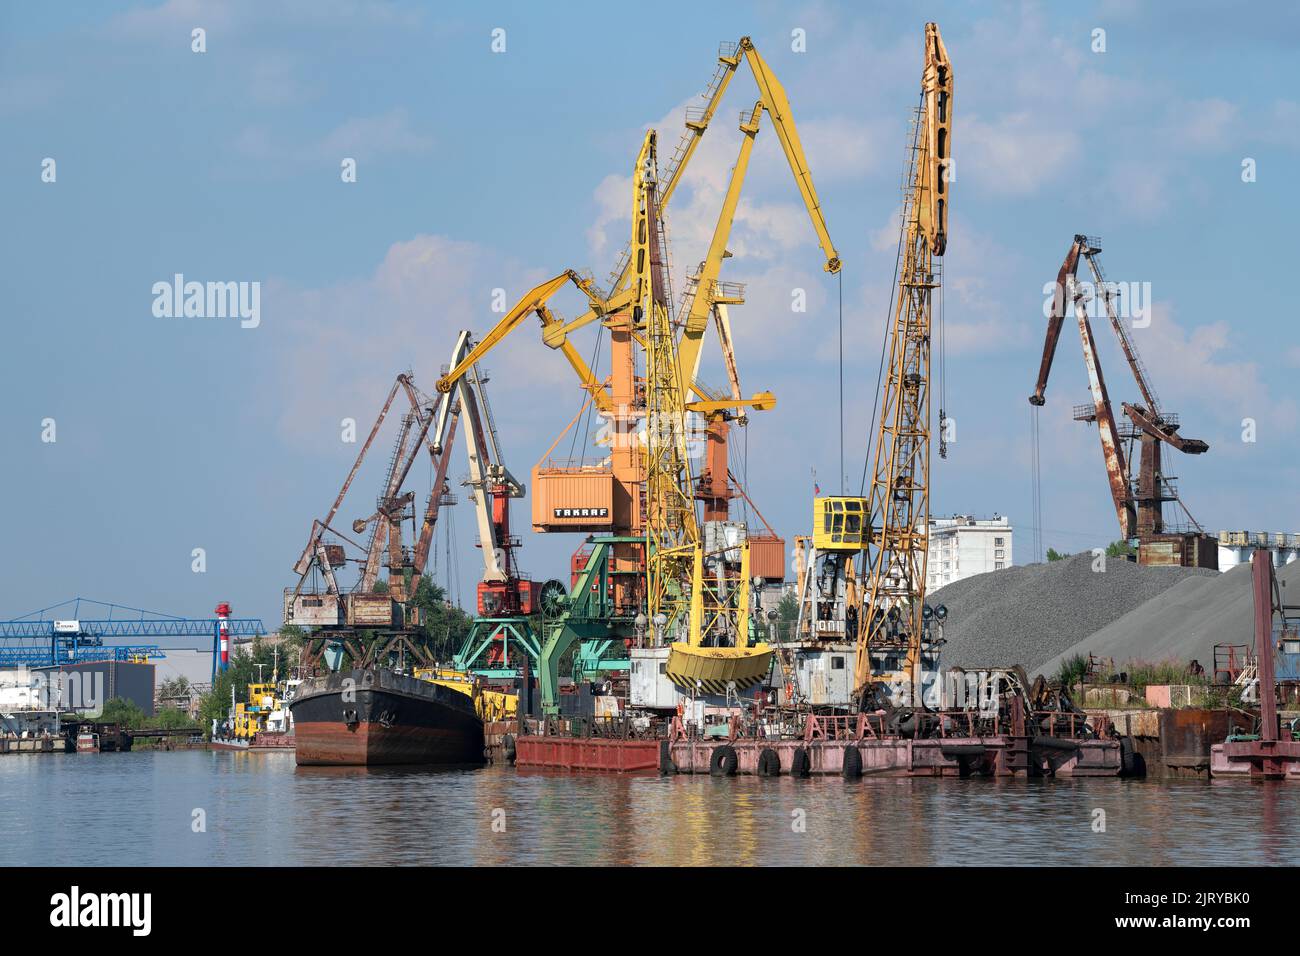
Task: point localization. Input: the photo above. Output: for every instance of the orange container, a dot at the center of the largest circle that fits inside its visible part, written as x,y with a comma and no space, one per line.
572,500
767,557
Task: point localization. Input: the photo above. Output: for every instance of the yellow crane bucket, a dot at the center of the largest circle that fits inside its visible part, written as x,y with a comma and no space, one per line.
711,669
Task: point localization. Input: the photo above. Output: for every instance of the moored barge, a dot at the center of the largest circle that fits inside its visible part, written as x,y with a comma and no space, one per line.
374,716
850,746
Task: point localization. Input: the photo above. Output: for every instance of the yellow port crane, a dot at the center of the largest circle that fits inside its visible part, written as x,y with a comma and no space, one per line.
893,625
555,332
672,531
710,609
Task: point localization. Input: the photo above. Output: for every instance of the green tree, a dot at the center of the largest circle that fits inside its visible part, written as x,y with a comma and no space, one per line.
179,687
124,713
1054,555
445,626
243,670
787,616
1072,670
1119,549
169,719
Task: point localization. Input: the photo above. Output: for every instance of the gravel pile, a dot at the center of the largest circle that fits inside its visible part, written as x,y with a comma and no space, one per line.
1185,622
1033,613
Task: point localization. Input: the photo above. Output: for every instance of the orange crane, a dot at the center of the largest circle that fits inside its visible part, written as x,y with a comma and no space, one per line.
1138,500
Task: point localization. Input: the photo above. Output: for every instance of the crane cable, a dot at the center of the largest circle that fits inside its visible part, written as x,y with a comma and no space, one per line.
943,374
594,365
1036,481
843,475
880,370
905,211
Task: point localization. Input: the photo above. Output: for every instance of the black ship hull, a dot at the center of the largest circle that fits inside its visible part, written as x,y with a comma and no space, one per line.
374,716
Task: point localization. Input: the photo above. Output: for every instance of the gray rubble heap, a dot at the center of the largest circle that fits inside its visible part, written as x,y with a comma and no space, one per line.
1031,614
1185,622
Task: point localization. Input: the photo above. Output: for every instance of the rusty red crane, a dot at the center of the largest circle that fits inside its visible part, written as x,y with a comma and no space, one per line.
1138,499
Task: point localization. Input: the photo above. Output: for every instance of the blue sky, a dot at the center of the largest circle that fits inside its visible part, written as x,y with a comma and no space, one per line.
480,170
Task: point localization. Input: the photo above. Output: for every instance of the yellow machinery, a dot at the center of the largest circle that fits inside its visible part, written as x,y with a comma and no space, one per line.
840,523
710,609
489,704
893,632
688,589
251,717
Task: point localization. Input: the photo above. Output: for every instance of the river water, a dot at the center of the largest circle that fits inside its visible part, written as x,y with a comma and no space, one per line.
199,808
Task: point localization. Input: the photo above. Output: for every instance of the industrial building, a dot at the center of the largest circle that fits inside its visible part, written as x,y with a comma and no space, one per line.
1237,547
25,708
86,685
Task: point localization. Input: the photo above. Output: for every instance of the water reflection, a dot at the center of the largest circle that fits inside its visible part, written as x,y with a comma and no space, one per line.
261,809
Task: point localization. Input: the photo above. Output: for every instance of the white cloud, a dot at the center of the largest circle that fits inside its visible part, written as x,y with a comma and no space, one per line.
1014,154
344,343
1283,124
176,18
1139,189
1195,369
1201,124
273,81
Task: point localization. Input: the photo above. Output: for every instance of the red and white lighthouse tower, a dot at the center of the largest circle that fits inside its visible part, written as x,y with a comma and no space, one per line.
223,635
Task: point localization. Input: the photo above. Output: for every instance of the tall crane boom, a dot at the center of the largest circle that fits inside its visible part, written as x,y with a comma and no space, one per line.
707,296
1138,502
777,105
672,534
772,98
893,628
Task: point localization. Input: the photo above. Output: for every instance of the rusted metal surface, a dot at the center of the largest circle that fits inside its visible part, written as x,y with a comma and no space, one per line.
311,610
1056,321
1188,550
1112,450
1187,734
1138,499
999,756
1263,584
439,489
849,745
588,754
369,610
767,557
303,564
370,716
1150,513
1269,757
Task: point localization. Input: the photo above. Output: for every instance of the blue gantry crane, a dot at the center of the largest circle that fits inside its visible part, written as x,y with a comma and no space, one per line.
60,635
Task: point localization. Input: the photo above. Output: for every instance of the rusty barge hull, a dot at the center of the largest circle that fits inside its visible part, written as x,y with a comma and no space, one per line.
1256,759
1000,756
592,754
373,716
